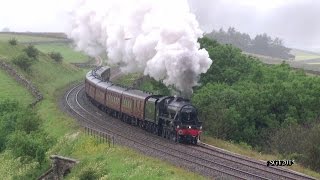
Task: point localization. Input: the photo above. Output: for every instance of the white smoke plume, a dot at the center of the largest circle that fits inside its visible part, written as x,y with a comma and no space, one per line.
158,38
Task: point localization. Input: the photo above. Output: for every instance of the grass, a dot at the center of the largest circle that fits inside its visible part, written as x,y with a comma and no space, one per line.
5,37
69,55
10,89
7,51
113,163
246,150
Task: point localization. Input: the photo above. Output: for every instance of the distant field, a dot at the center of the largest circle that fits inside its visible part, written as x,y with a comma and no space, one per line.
315,63
25,38
304,55
309,65
69,55
10,89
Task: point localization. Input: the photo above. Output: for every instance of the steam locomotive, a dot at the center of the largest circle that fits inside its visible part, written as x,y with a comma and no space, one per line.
171,117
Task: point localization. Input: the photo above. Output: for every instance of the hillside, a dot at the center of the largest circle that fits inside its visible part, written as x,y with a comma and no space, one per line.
95,157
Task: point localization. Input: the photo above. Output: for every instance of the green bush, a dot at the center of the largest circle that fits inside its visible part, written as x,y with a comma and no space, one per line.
32,52
56,56
20,132
13,41
23,61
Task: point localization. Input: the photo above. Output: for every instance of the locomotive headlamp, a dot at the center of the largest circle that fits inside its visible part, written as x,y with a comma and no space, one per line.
189,127
178,126
200,127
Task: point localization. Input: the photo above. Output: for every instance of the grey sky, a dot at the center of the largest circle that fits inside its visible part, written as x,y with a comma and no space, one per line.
297,22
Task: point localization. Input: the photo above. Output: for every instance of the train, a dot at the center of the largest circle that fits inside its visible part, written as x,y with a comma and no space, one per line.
171,117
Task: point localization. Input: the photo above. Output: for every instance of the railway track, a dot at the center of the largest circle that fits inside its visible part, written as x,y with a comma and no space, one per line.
204,159
246,161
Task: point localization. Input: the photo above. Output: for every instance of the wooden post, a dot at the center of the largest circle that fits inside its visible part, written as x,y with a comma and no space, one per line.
109,140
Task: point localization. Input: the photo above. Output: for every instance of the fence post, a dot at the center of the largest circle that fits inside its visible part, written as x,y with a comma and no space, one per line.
112,141
109,140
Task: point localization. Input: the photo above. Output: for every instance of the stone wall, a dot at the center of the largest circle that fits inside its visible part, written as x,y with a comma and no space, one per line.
23,81
61,166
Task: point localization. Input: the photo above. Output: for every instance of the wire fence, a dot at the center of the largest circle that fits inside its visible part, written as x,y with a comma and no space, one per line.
102,137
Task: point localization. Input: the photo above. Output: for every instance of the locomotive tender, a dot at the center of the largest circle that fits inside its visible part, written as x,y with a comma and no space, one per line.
171,117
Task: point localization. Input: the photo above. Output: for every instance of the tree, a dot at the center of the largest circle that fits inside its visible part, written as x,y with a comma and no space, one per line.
23,61
56,56
32,52
261,44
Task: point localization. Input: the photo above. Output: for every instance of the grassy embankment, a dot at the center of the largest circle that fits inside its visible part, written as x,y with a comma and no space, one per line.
111,163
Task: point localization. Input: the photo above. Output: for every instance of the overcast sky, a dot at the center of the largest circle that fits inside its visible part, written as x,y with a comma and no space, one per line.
297,22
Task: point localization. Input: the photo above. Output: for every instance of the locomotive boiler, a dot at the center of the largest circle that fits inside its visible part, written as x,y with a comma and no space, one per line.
171,117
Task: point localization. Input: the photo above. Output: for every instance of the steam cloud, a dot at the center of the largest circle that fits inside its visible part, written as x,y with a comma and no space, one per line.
156,37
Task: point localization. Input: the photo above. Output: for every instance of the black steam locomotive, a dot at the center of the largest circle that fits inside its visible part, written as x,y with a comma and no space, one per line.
171,117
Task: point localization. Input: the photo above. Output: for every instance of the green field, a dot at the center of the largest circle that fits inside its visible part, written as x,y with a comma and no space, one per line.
304,55
112,163
24,38
10,89
66,50
68,53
